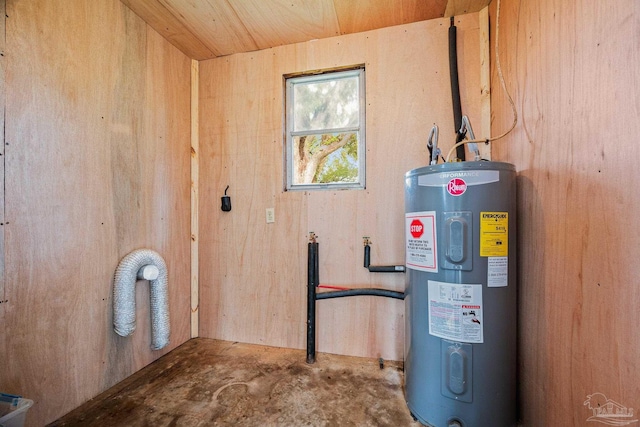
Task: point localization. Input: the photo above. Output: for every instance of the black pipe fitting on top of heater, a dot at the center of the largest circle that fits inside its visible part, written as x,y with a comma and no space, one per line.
455,88
378,268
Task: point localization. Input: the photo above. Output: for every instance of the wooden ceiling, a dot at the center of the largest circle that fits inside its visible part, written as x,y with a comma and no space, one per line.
205,29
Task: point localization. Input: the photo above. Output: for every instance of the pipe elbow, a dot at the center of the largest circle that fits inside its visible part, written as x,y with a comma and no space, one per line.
149,265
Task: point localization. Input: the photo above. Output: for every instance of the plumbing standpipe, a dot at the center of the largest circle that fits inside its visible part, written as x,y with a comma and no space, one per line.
378,268
142,264
313,282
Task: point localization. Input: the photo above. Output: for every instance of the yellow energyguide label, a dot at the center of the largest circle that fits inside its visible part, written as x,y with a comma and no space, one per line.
494,234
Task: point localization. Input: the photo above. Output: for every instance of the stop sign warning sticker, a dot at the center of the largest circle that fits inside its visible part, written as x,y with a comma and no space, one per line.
421,239
416,228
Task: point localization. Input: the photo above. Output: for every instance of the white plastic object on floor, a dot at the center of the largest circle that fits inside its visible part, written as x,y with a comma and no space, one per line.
13,414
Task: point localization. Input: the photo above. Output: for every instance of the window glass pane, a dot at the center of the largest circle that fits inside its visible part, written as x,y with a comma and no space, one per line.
329,104
325,158
325,130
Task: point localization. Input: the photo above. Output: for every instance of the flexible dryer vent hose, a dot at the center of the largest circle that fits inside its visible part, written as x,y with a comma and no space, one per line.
124,295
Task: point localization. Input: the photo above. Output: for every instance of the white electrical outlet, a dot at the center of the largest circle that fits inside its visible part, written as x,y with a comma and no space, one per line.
271,215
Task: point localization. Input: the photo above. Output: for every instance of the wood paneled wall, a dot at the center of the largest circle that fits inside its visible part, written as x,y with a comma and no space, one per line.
253,274
574,71
97,164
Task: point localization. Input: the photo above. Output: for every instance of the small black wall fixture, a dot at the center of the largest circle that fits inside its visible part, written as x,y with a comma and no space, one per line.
226,201
313,281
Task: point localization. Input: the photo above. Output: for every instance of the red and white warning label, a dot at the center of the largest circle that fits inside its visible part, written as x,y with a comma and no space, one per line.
422,249
455,311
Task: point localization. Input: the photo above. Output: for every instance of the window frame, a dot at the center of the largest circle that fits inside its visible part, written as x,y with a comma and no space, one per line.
290,81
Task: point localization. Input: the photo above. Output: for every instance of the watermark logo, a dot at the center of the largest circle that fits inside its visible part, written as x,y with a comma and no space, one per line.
607,411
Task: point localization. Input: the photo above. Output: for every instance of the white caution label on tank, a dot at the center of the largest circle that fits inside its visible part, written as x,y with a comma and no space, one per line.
455,311
422,246
497,271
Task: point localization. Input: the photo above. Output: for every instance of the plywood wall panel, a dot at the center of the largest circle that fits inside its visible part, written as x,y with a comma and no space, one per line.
573,68
253,274
97,121
238,248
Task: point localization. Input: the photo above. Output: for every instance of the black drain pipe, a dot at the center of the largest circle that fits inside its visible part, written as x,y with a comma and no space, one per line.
455,88
312,283
313,280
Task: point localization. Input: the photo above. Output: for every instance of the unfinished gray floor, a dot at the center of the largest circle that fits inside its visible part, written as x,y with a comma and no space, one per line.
208,382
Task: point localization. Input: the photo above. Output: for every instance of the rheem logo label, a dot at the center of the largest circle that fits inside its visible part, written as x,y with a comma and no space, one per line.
457,187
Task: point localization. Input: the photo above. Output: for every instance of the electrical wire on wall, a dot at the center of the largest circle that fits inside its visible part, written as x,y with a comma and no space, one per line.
504,87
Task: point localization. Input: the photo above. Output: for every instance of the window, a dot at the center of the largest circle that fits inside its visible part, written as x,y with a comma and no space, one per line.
325,130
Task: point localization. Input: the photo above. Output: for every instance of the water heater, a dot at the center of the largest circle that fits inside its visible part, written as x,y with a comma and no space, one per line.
460,343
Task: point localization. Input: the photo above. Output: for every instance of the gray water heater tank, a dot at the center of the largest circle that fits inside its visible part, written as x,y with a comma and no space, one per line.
460,343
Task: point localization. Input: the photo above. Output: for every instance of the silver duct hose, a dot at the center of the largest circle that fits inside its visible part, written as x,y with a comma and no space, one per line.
142,264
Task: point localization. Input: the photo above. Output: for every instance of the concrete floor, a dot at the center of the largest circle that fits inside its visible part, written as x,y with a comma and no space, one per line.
208,383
